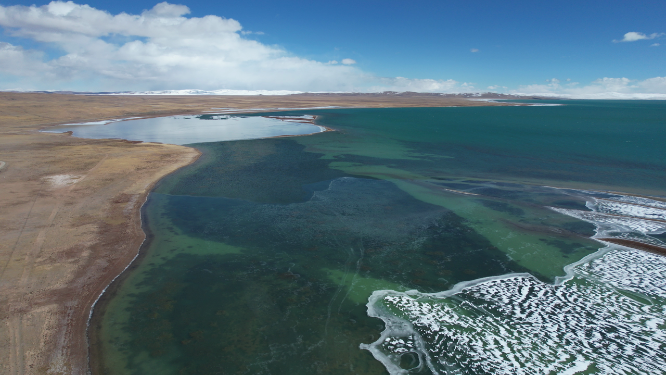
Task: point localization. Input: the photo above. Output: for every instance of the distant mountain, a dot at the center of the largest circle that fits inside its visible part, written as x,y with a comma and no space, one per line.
475,95
167,92
206,92
470,95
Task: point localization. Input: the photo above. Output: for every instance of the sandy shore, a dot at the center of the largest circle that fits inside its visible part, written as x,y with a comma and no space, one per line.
69,209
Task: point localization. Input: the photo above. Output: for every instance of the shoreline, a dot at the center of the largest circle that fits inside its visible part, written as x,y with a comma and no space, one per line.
400,327
109,290
69,263
96,309
74,256
66,243
95,361
311,119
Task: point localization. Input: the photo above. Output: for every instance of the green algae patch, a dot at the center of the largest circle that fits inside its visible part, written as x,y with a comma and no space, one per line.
359,288
334,145
374,171
509,227
512,235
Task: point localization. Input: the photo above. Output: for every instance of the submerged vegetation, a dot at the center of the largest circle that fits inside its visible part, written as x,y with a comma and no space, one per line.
265,253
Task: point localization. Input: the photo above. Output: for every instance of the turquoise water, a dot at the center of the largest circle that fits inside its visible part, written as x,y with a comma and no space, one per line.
264,253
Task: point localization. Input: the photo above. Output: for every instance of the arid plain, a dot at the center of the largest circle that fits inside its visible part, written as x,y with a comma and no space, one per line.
70,208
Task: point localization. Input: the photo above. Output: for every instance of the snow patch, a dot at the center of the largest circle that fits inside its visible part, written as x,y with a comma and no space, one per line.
62,180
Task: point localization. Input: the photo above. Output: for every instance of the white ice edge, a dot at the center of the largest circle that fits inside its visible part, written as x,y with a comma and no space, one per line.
92,307
398,327
102,122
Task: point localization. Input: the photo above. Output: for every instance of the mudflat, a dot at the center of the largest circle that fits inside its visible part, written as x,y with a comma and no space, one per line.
70,208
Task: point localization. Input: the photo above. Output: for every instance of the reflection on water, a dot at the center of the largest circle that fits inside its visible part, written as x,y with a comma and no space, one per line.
183,130
265,253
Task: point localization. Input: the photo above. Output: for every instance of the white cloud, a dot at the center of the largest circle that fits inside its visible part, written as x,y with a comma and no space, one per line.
474,50
422,85
653,85
157,49
14,60
655,45
633,36
162,48
603,88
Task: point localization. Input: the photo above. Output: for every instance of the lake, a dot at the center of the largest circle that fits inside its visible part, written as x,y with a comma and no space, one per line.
467,240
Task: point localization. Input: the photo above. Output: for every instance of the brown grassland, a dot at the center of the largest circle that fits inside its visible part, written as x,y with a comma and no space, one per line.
70,209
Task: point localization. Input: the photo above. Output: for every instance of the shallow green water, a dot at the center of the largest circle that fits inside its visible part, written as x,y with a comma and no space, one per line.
265,252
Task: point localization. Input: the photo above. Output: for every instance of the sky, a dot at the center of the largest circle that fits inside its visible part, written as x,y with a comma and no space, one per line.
587,49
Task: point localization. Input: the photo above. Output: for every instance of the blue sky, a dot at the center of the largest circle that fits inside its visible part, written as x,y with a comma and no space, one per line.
517,40
518,46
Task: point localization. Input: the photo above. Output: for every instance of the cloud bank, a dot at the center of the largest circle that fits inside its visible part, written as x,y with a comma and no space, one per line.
81,48
603,88
162,48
